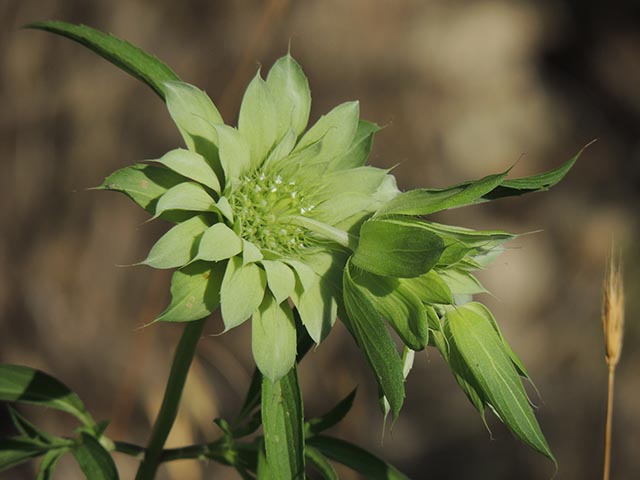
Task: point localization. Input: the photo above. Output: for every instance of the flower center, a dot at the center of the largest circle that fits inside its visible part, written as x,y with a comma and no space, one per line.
263,205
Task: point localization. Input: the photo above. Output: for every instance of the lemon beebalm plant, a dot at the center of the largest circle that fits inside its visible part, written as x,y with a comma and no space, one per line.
283,224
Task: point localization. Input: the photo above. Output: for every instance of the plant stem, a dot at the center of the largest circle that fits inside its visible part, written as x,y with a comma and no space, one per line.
607,438
169,409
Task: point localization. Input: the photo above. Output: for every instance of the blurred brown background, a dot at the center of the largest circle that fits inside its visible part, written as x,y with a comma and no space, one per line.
465,89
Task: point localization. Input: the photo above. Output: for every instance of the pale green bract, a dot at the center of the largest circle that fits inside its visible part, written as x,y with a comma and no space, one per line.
277,222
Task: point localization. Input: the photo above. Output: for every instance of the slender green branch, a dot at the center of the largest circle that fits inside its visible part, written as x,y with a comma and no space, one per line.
169,409
128,448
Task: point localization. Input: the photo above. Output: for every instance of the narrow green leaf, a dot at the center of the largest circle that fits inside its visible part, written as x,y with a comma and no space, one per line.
535,183
282,418
398,305
354,457
178,246
144,184
280,278
331,418
335,130
235,152
258,121
273,338
242,291
14,451
290,87
426,201
191,165
94,460
194,114
392,248
360,147
49,463
194,292
481,309
28,429
374,340
429,288
24,384
219,242
122,54
484,354
320,463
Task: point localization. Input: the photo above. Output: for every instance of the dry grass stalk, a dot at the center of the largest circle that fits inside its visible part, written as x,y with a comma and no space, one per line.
613,328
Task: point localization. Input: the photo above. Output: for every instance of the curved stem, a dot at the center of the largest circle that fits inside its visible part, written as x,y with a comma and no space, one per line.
166,416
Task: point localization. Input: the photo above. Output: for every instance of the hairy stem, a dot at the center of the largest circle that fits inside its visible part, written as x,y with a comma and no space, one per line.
169,409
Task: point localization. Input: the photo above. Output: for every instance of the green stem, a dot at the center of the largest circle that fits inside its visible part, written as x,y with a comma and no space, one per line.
169,409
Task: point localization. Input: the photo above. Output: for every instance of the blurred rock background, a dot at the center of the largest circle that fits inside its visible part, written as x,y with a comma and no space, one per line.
464,88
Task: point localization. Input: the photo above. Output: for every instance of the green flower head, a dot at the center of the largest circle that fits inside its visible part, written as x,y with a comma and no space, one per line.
266,212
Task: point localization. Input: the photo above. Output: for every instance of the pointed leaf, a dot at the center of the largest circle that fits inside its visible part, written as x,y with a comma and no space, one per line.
94,460
290,89
320,463
144,184
242,291
374,340
398,305
122,54
282,418
425,201
194,292
49,463
354,457
429,288
331,418
317,308
219,242
280,278
258,122
178,246
482,350
235,153
461,282
24,384
188,196
14,451
336,131
191,165
360,147
398,249
273,338
28,429
250,253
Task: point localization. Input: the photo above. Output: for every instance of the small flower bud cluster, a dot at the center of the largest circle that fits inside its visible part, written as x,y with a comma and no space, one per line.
263,205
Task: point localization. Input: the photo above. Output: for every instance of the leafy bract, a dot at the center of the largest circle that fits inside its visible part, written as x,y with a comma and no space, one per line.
241,292
360,147
273,338
280,278
194,114
122,54
282,420
219,242
374,340
483,353
289,85
194,292
24,384
398,304
144,184
178,246
393,248
187,196
191,165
